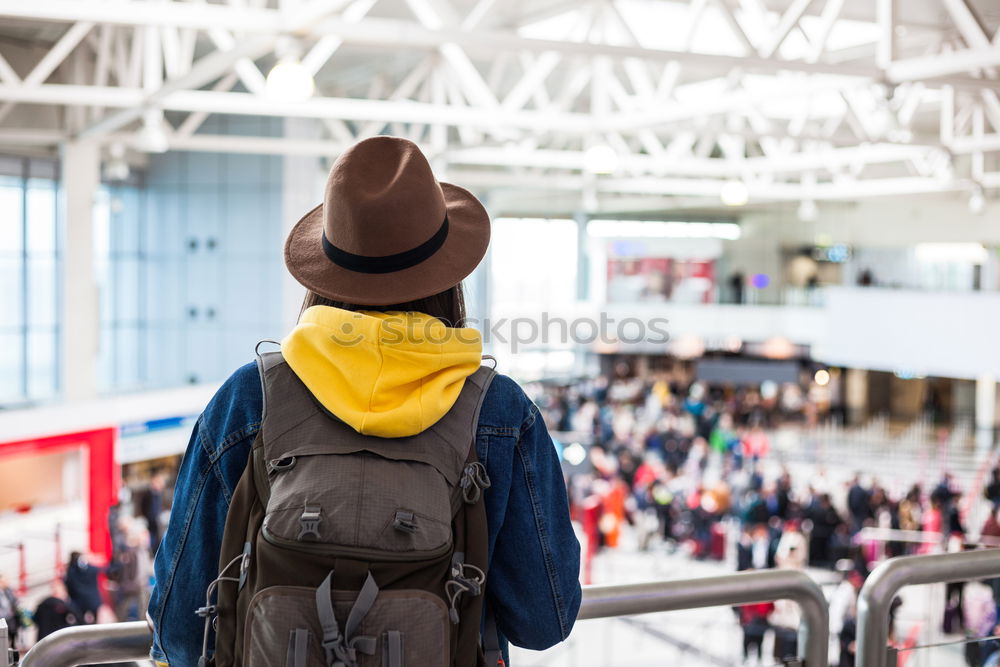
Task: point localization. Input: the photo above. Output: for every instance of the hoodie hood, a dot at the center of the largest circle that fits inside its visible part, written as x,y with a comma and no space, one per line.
388,374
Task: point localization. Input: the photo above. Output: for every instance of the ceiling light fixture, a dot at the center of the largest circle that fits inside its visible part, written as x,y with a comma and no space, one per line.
600,159
977,201
152,138
808,211
289,81
734,193
116,169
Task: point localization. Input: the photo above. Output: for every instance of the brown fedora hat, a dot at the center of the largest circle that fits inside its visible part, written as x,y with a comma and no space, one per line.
387,231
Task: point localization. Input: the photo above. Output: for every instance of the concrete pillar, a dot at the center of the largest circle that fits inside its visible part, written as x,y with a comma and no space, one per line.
81,172
986,416
582,257
989,276
483,302
856,395
302,188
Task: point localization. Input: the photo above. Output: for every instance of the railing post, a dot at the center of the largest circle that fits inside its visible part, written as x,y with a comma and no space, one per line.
57,538
22,571
878,592
5,657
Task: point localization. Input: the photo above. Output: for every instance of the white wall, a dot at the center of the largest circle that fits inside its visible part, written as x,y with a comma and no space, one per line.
951,334
889,221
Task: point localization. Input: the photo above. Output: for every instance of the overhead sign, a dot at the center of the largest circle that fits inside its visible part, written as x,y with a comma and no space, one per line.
154,439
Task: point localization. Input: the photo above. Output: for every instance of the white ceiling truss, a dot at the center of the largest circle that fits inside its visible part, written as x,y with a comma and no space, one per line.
749,90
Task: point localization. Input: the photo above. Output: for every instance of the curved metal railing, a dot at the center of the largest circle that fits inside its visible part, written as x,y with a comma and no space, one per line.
888,578
117,642
91,645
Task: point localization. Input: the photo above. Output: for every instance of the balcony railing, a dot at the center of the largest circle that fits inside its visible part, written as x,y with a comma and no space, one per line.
102,644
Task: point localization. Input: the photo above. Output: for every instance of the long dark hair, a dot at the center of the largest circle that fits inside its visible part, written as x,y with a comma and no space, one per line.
447,306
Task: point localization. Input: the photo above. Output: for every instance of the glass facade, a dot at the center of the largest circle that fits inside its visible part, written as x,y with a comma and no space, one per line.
189,265
121,272
29,265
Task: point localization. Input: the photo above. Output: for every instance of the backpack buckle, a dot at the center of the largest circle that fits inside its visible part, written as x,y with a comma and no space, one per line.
309,521
461,583
281,465
474,480
404,522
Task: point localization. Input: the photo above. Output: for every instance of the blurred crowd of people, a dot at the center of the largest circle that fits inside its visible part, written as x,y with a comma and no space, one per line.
92,589
690,467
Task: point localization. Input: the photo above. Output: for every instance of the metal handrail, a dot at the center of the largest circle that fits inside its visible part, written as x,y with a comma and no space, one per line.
731,589
885,581
101,644
91,645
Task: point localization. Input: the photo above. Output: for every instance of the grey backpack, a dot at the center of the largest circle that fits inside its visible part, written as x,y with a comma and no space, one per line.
346,550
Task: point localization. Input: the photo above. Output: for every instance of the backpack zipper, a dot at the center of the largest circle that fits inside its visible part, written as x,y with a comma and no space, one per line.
357,553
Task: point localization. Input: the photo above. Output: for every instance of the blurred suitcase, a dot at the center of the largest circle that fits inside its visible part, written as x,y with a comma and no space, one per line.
718,542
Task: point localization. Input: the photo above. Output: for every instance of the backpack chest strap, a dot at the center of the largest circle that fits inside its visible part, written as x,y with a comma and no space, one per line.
342,648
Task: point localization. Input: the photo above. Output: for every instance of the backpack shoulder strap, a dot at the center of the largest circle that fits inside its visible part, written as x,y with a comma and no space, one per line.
265,362
471,533
287,401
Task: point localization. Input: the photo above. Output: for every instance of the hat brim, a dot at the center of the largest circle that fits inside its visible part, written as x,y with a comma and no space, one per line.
463,249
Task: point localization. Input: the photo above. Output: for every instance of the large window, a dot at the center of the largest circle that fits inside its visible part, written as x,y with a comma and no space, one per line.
533,262
533,274
121,276
29,270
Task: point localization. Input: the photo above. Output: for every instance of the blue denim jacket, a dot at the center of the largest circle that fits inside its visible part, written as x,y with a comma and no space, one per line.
533,582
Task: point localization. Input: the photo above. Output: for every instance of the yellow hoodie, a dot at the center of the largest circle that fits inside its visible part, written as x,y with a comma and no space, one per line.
385,374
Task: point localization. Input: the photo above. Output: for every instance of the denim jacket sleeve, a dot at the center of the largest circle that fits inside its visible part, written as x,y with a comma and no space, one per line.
533,585
187,559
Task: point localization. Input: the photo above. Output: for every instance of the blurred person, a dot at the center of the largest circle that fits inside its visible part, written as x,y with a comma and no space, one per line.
790,553
844,615
340,361
945,492
756,444
697,460
858,503
754,624
613,500
694,404
736,285
911,509
9,611
825,520
723,438
663,503
784,505
992,490
933,523
954,620
82,586
841,544
152,507
754,550
953,517
753,506
792,550
133,574
989,537
55,612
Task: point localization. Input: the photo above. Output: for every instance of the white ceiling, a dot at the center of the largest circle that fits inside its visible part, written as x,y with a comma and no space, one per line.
796,99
